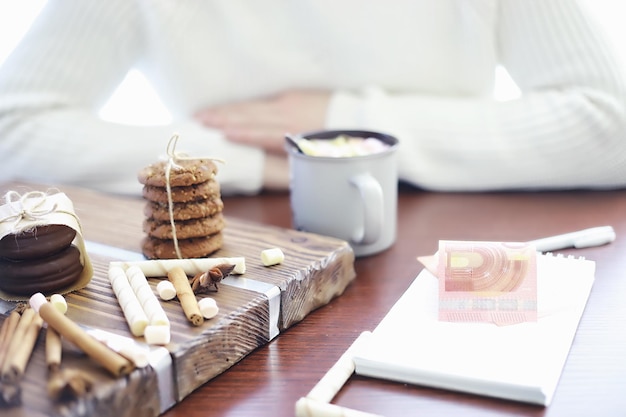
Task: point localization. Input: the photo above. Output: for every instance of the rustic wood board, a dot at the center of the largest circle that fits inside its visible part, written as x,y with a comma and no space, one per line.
316,270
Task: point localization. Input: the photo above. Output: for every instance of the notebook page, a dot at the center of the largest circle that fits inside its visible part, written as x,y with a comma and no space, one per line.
521,361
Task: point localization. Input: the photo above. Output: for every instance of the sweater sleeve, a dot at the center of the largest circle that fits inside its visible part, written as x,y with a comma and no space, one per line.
566,130
52,87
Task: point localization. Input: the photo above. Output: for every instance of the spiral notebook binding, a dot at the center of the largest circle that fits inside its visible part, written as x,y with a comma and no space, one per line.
562,255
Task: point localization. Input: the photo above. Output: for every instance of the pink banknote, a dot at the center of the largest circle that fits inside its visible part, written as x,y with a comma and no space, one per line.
487,282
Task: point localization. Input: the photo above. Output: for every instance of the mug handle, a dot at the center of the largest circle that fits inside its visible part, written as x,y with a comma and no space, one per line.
373,209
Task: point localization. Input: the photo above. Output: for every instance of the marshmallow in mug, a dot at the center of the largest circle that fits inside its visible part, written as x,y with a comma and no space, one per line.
359,187
342,146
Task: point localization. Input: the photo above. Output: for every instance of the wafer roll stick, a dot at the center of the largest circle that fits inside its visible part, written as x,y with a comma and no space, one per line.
330,384
127,347
191,266
185,295
113,362
317,401
131,306
150,303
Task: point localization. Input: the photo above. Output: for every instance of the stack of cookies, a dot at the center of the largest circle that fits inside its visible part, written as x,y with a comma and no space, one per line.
196,209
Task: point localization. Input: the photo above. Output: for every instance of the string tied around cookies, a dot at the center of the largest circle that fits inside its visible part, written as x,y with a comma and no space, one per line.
32,206
172,157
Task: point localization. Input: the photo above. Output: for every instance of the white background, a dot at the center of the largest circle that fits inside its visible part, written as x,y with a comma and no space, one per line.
135,102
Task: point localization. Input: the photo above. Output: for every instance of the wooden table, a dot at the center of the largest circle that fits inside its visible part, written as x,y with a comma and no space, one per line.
270,380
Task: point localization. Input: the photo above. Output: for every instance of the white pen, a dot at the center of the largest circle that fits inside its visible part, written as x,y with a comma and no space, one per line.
585,238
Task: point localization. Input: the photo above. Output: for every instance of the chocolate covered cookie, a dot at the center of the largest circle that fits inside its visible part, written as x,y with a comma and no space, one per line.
50,273
37,242
41,246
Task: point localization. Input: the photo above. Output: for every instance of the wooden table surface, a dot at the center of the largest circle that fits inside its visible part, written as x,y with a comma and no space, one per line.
270,380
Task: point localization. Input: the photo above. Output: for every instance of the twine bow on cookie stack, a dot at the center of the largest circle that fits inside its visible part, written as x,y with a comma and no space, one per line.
171,162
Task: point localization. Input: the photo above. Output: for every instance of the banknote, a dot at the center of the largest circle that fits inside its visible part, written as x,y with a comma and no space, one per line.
492,282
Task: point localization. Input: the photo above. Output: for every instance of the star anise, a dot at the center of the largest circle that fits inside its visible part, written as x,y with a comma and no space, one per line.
209,280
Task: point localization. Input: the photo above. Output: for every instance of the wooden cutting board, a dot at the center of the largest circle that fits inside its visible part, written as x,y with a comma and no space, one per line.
254,308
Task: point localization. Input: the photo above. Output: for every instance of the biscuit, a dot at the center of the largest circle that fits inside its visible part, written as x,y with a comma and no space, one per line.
183,173
183,211
184,229
50,273
201,247
38,242
202,191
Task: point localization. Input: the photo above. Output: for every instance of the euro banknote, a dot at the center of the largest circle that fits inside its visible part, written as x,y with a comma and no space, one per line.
487,282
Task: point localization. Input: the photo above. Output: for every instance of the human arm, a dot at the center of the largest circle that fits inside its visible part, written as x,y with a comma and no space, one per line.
52,87
264,122
566,130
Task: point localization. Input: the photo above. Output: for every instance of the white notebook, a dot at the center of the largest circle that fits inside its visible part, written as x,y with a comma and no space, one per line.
521,362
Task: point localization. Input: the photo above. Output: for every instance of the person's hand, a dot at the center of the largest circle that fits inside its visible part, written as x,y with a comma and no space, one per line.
263,123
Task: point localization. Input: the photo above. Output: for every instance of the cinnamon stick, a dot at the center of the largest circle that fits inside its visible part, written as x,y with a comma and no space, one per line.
6,334
21,346
54,349
10,394
115,363
63,383
69,384
20,360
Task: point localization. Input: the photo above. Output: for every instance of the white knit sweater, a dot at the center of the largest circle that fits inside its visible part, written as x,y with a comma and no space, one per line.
420,69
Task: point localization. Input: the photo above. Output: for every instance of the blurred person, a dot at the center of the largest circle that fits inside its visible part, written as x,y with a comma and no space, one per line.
237,75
